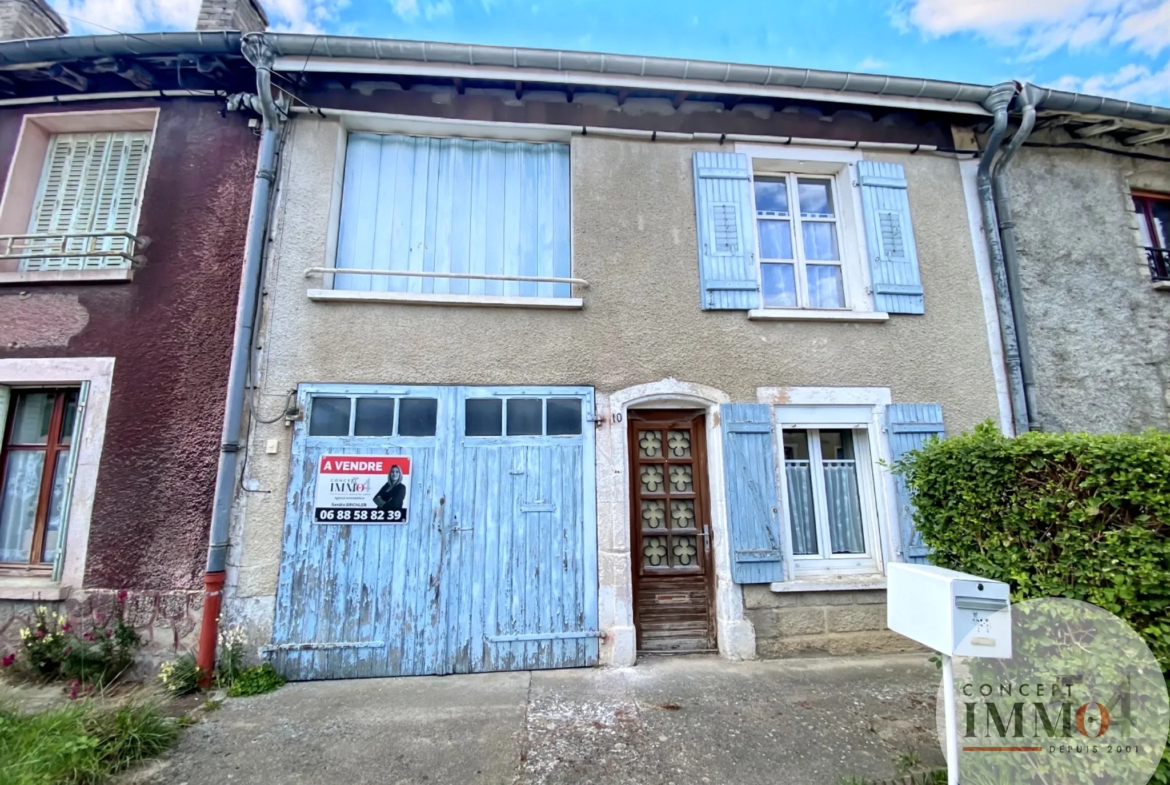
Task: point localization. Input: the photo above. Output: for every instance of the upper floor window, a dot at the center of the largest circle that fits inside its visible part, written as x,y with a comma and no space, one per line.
87,201
797,234
1154,224
786,233
440,216
73,195
34,467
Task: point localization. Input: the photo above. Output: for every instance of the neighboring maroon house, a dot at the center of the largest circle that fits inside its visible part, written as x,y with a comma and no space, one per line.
122,233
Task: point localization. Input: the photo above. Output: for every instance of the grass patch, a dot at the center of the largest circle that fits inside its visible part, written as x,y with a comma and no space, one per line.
81,743
256,680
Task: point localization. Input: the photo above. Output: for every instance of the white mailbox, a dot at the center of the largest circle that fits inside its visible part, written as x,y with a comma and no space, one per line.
951,612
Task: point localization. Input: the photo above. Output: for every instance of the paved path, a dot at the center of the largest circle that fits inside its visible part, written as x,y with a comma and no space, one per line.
668,720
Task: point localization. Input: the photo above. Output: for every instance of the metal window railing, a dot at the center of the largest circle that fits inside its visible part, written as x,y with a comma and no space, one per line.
72,250
1159,260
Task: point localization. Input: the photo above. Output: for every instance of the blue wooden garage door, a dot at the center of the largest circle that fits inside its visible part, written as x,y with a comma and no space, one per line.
495,565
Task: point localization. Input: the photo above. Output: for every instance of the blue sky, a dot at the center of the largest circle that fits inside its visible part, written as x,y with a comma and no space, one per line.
1113,47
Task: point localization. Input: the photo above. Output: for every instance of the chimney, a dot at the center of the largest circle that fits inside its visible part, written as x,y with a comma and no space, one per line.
246,16
29,19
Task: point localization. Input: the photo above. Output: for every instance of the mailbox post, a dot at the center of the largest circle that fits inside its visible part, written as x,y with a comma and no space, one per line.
955,614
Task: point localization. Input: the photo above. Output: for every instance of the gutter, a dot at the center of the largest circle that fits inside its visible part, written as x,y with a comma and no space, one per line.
399,56
30,51
998,103
258,54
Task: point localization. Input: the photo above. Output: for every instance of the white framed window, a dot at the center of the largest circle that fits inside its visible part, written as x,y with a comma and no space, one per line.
829,491
809,232
798,237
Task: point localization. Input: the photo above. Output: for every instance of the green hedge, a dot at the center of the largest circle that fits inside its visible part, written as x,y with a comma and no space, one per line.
1055,515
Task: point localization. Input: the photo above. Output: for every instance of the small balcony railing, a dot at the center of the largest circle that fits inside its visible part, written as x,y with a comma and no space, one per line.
1159,259
72,251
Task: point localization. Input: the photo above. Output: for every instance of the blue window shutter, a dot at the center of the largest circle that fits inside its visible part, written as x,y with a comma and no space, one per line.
727,239
753,513
893,257
910,425
416,204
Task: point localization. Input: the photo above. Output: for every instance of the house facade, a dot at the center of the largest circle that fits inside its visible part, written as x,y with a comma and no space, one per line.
560,366
1092,211
126,195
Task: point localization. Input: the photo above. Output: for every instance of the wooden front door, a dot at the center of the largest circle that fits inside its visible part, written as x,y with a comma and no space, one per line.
671,536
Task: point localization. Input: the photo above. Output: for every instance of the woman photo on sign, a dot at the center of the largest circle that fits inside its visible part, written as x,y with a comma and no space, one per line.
392,495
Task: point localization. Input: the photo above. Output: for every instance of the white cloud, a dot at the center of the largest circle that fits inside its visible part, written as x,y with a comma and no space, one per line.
405,9
127,16
136,16
1131,82
436,10
410,10
1041,27
870,64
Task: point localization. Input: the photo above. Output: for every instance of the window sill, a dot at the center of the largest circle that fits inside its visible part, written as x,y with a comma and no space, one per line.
1161,285
811,315
410,298
837,583
117,275
32,589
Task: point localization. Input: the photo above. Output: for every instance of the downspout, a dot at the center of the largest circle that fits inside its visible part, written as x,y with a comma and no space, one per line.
997,103
1007,231
258,53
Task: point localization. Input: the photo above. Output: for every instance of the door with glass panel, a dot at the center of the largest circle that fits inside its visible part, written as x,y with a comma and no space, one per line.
34,469
826,486
674,577
798,238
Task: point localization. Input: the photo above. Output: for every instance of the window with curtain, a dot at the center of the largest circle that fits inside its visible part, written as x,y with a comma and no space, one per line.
799,242
454,216
824,498
34,464
91,185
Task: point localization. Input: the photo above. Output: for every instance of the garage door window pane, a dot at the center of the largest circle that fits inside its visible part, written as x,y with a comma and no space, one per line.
330,417
375,417
564,416
417,416
485,417
524,417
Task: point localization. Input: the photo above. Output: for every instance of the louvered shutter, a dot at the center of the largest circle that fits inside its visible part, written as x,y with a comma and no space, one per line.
893,256
753,512
90,184
910,426
727,239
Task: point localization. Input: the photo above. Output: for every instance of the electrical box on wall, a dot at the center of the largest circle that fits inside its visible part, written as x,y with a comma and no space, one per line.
954,613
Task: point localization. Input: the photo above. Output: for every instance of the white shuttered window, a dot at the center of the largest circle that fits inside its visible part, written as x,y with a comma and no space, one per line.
91,184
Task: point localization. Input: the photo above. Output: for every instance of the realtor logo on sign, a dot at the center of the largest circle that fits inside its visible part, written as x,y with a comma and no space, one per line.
362,489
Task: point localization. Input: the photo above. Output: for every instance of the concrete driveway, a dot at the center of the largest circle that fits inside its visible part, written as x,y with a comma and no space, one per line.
668,720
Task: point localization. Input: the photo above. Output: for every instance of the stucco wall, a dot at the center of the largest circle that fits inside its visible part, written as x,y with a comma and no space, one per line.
635,242
170,332
1100,343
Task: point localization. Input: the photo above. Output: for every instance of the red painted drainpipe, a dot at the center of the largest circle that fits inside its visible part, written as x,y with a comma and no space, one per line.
261,56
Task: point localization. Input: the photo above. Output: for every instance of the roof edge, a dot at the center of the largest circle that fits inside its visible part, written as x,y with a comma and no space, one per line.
731,74
65,48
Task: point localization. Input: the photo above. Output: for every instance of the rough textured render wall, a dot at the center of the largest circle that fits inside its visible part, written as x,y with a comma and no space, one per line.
246,16
29,19
813,624
170,332
1100,343
635,242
